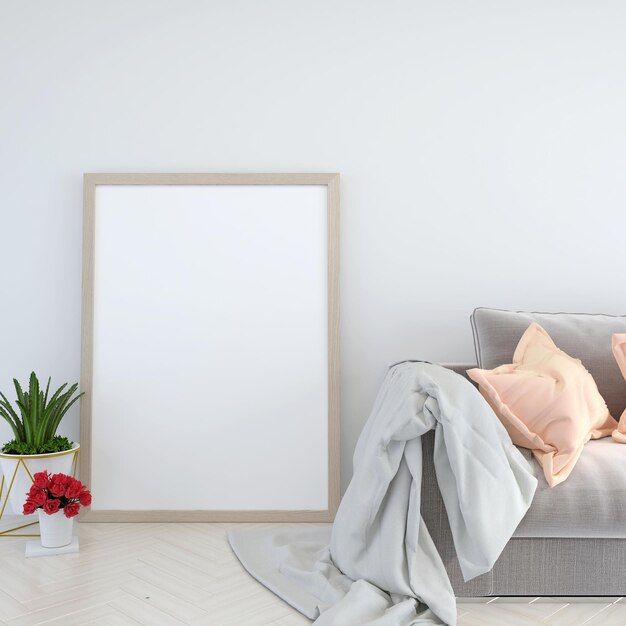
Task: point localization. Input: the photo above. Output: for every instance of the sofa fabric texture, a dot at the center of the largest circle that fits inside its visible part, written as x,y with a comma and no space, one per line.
560,567
591,503
583,336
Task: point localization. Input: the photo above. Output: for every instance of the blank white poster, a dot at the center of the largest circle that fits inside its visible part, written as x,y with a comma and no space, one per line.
210,349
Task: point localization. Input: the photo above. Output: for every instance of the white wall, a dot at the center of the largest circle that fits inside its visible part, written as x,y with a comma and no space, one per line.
482,148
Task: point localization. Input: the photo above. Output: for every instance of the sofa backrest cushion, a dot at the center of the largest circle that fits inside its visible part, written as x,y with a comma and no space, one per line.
582,335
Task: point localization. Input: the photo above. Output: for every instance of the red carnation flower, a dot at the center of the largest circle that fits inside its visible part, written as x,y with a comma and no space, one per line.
33,490
57,486
73,489
29,507
51,506
39,498
40,480
85,497
71,509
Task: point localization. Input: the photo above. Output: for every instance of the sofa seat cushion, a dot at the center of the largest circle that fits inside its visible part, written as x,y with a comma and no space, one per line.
583,336
590,503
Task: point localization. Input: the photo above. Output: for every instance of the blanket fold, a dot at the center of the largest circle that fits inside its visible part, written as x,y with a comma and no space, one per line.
378,566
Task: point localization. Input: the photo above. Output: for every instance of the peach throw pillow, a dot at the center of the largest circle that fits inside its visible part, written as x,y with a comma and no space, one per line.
547,401
619,351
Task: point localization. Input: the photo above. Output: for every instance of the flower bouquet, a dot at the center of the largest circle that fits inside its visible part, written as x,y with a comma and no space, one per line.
57,498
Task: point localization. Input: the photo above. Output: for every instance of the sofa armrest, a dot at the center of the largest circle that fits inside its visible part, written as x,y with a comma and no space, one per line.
459,368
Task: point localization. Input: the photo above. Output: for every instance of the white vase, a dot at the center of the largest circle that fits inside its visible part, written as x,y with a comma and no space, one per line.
55,530
16,468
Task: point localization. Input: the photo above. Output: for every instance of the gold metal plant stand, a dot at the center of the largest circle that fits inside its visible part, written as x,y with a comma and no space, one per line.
4,499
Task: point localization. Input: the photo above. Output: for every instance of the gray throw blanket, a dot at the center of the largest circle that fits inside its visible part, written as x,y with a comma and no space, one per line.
378,565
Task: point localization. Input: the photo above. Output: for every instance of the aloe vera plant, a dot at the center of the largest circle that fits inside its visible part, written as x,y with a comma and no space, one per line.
35,421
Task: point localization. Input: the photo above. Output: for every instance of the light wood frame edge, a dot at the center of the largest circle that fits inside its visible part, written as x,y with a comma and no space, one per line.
331,180
160,516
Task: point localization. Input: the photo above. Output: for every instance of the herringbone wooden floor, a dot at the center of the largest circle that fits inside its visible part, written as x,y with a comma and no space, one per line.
172,574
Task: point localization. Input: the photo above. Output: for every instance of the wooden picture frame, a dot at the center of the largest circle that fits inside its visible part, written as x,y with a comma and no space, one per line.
110,204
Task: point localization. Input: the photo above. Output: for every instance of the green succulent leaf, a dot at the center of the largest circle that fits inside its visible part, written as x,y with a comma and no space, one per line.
45,398
7,412
38,416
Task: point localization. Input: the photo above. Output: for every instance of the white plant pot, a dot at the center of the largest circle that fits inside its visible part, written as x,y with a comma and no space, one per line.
55,530
55,463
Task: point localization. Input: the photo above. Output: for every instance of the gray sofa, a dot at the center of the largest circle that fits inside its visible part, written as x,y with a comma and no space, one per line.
572,541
